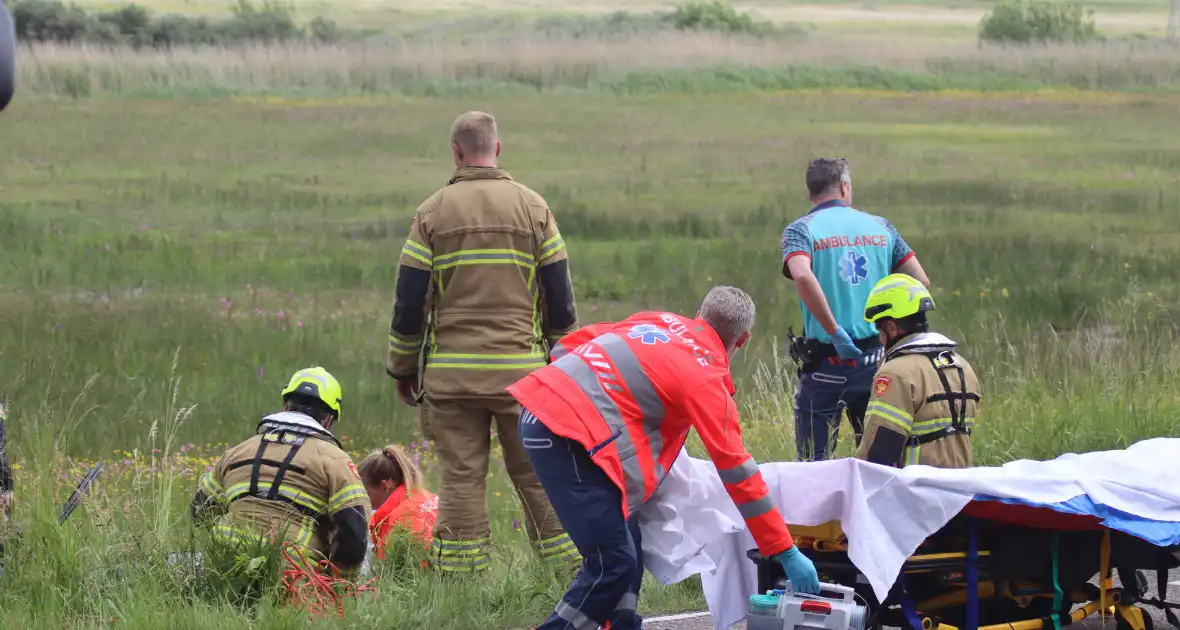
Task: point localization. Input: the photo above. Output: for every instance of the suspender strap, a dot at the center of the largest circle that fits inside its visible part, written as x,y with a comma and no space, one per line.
282,471
262,444
295,441
946,388
959,412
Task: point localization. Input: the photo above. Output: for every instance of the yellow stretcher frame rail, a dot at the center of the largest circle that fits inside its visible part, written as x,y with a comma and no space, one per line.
829,537
1076,616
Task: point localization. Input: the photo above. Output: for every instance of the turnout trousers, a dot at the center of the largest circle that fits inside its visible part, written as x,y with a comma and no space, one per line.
461,432
605,592
828,389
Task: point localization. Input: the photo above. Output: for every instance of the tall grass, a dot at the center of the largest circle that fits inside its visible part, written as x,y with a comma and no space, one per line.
168,263
631,64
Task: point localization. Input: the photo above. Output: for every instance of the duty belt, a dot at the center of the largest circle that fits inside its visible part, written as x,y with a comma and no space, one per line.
808,352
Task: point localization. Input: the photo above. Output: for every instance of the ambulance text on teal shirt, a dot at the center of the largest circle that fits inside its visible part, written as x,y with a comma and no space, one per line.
850,252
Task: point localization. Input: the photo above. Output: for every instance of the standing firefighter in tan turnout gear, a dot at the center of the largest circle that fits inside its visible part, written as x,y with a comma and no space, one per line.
292,482
925,397
483,291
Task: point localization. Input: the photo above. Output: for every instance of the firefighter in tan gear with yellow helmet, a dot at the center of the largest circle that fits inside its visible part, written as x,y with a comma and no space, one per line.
925,397
483,291
292,482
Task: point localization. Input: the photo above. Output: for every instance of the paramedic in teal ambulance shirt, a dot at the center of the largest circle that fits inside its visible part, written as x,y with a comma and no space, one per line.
836,254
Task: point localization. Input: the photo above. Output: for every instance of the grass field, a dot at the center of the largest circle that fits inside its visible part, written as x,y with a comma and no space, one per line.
180,232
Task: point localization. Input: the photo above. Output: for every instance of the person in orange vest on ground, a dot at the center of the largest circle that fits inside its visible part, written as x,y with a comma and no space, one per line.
398,496
604,422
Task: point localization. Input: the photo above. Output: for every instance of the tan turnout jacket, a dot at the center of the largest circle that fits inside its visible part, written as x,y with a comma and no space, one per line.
317,482
483,287
910,400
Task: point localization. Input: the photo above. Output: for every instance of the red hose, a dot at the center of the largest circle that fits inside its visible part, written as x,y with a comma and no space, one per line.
321,589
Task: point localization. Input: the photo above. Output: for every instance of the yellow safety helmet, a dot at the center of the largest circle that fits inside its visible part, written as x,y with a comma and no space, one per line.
897,296
316,382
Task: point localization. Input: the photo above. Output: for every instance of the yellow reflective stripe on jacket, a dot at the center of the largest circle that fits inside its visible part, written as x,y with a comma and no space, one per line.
297,497
399,345
551,246
903,420
418,252
211,486
484,257
538,329
348,493
486,361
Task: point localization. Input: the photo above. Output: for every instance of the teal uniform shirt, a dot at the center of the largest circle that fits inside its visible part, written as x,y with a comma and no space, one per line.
850,251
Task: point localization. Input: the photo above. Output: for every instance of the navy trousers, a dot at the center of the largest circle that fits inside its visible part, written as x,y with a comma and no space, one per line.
605,591
823,395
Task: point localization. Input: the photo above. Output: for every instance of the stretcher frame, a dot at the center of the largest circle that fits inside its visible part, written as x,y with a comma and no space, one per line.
827,547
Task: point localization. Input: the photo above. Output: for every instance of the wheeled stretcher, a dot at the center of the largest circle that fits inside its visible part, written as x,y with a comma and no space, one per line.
1000,566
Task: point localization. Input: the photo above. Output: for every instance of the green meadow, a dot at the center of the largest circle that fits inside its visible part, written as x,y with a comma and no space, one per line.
180,231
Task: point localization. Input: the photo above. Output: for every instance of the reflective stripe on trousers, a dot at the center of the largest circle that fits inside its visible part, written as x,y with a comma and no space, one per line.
460,556
558,550
579,621
594,376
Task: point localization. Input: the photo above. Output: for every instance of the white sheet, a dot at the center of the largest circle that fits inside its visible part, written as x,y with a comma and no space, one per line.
691,527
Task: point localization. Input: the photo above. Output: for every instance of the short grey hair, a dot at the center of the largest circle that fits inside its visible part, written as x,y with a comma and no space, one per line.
825,174
475,132
729,311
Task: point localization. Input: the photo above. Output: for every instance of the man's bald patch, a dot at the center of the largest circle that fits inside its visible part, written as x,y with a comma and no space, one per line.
475,133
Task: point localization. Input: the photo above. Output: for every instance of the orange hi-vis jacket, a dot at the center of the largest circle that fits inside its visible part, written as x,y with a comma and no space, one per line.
629,392
416,513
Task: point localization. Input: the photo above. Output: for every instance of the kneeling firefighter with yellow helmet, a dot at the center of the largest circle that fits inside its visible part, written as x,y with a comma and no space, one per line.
925,397
292,482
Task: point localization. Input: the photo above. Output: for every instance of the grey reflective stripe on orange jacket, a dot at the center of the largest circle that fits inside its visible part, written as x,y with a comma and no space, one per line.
738,474
594,376
558,351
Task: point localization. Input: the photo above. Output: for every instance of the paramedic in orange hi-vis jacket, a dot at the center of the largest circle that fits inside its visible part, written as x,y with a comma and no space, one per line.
604,422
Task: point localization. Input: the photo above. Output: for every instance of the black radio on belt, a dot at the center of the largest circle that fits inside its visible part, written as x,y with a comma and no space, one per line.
801,349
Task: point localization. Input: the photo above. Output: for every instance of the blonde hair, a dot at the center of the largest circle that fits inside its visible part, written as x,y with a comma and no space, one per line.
475,133
391,464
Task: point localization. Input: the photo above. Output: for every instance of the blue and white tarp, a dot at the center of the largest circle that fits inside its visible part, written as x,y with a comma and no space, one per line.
691,526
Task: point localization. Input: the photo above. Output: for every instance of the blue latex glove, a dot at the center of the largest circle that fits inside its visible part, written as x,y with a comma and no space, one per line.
844,345
800,571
